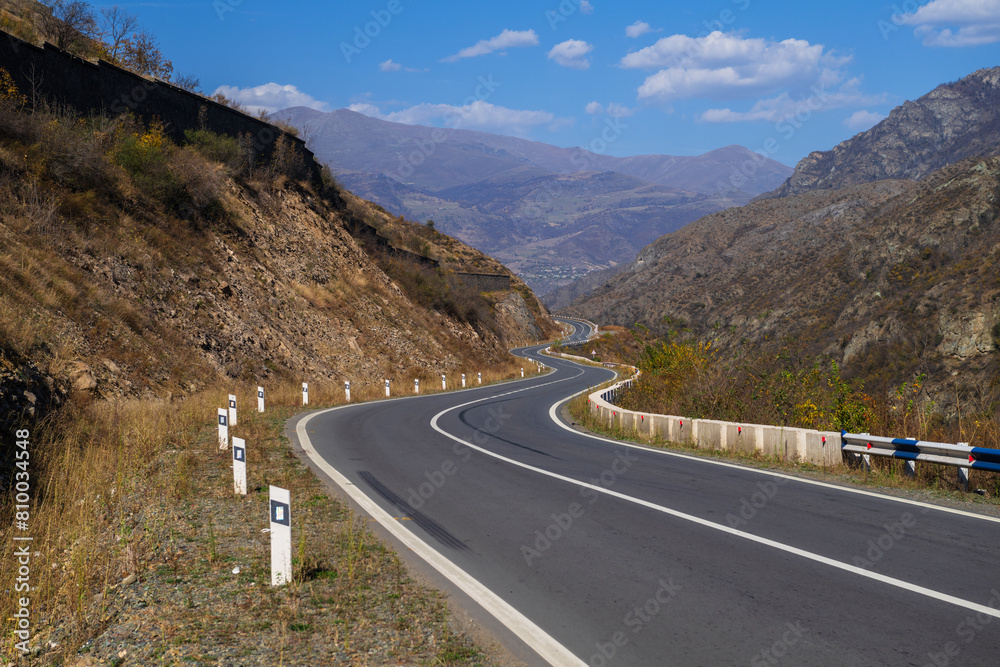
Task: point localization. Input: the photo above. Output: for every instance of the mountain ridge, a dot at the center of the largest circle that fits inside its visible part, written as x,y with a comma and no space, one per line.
551,214
953,122
344,124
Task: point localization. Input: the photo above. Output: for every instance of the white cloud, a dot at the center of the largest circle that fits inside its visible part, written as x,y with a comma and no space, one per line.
586,7
366,108
722,65
802,106
478,115
637,29
615,110
505,40
392,66
977,22
271,97
571,53
863,120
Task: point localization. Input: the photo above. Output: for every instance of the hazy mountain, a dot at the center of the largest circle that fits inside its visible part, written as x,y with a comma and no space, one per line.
351,141
952,122
551,214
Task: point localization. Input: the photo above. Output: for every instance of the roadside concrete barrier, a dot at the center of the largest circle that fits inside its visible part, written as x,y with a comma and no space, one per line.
787,443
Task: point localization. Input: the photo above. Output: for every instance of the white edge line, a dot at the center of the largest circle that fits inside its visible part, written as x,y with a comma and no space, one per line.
770,473
553,414
853,569
532,635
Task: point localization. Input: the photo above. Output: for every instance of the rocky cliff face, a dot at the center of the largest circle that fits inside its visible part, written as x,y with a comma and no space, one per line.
892,278
280,290
953,122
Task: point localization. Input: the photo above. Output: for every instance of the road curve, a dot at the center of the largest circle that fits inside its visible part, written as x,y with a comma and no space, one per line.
579,550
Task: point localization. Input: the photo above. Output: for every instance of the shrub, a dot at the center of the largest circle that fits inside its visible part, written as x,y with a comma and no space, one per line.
286,160
145,157
429,288
218,148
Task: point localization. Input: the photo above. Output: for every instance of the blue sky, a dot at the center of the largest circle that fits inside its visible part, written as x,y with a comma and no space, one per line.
678,78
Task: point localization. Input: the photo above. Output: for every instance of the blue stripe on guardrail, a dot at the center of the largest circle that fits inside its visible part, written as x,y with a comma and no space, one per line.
984,453
906,445
985,465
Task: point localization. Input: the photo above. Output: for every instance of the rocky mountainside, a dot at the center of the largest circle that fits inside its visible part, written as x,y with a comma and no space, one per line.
953,122
892,278
155,271
551,214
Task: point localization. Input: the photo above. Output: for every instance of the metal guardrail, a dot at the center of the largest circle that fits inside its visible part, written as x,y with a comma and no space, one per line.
961,455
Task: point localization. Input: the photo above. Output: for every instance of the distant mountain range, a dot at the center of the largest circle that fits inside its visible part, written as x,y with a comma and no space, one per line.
551,214
881,253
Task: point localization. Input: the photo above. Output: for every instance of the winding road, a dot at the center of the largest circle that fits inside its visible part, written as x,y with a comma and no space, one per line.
578,550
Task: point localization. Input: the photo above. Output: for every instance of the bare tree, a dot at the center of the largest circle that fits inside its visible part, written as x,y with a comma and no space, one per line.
141,54
118,26
188,82
72,24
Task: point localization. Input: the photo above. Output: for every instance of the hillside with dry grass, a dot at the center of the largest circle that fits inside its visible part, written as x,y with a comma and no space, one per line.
133,267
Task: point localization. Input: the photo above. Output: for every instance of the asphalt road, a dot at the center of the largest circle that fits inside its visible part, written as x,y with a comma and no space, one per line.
586,551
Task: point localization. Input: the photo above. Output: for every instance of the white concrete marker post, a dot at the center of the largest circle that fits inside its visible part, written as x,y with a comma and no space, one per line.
239,466
223,428
480,378
281,536
305,393
260,399
387,389
416,386
522,372
232,410
463,380
347,391
444,383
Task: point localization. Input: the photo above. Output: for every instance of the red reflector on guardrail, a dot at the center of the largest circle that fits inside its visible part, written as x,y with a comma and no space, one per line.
972,459
869,445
